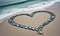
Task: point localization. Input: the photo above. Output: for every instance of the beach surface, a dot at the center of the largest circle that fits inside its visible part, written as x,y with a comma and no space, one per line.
53,29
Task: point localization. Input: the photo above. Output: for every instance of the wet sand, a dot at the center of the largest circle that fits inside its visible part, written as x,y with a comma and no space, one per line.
53,29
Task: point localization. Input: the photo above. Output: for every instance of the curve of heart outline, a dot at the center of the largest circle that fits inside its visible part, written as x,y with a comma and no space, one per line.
39,28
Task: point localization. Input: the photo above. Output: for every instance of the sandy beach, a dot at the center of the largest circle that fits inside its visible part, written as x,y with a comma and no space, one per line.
53,29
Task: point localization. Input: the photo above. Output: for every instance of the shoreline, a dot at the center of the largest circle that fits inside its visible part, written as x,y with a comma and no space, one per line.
28,10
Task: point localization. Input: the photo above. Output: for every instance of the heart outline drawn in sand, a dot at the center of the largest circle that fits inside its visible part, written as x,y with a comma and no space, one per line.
39,28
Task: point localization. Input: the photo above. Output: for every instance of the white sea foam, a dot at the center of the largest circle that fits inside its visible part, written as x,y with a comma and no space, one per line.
28,10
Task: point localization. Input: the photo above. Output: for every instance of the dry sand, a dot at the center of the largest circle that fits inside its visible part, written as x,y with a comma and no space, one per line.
53,29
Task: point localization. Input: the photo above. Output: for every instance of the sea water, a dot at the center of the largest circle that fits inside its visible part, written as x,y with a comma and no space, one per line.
5,2
9,7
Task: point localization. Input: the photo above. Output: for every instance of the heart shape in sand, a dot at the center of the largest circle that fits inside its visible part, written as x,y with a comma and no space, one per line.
39,28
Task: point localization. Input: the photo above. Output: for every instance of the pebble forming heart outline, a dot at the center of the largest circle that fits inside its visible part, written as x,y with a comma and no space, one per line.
39,28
